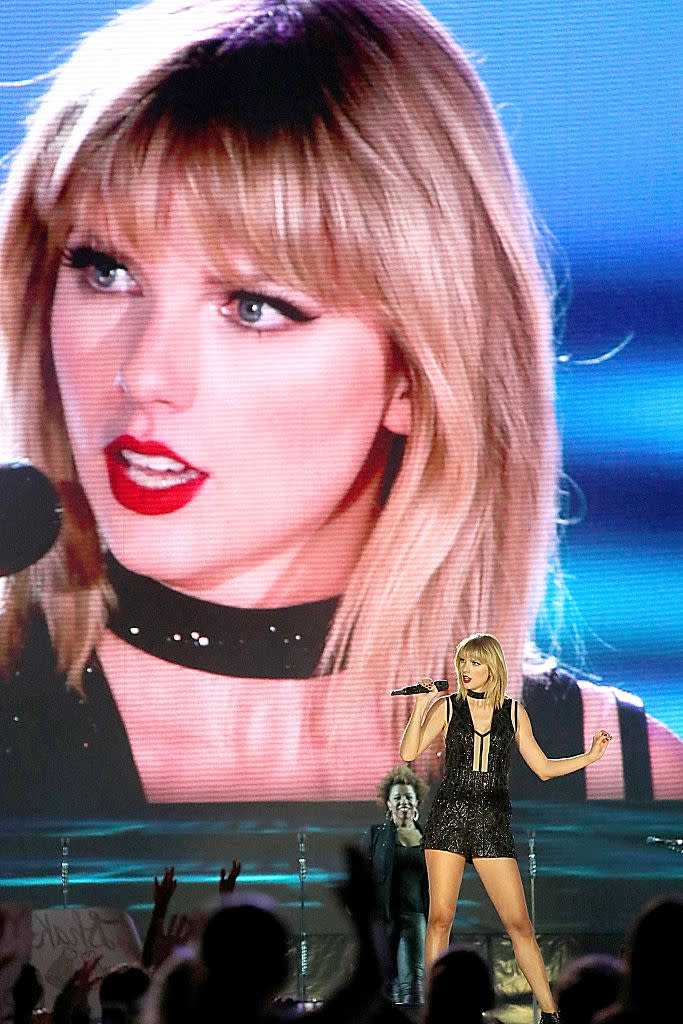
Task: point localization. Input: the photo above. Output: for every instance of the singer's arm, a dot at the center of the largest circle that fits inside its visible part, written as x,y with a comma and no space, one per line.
550,768
422,729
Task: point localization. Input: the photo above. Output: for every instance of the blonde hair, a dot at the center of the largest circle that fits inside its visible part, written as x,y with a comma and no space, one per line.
487,649
357,131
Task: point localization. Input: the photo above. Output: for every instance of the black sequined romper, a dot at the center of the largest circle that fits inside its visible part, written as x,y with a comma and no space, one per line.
471,810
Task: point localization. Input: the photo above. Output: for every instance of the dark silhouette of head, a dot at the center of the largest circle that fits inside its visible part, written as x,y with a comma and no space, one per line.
459,978
27,992
121,993
245,952
588,984
654,956
179,986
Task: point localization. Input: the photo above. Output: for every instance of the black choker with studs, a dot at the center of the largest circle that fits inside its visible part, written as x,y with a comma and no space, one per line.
246,643
476,694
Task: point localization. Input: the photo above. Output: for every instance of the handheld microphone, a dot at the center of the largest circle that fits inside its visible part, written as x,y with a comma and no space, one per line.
30,516
440,684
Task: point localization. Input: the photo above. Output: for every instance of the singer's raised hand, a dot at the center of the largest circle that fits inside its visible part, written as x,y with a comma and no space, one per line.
430,690
427,720
599,744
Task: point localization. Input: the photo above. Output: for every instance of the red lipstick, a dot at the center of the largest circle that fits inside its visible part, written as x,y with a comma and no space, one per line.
148,478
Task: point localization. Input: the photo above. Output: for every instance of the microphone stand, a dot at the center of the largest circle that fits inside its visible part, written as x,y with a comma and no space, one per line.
65,871
303,945
674,845
532,887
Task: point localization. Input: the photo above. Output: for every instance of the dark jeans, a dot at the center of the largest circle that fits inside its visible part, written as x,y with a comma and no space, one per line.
406,936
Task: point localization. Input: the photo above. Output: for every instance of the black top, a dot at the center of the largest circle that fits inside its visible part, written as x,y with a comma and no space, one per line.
407,880
471,810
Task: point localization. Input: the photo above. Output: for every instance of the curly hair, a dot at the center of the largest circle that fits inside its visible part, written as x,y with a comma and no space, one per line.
401,775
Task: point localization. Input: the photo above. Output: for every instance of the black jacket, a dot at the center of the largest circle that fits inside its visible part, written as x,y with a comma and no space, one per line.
379,843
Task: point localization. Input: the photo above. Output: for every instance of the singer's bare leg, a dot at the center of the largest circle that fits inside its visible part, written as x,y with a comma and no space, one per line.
502,882
445,875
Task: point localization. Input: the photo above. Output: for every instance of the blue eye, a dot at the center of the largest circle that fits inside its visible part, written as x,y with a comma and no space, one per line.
264,312
250,309
104,272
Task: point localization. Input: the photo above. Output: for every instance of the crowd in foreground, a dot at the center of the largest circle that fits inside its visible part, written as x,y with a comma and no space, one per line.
236,967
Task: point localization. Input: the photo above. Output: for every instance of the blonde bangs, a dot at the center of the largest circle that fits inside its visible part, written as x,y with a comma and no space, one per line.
295,207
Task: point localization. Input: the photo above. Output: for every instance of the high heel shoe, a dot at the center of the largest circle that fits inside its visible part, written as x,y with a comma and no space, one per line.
550,1018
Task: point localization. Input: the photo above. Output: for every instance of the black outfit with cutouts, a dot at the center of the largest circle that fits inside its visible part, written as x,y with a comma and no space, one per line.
471,810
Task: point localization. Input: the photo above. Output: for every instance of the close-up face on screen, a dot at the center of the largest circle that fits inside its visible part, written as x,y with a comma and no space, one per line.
342,333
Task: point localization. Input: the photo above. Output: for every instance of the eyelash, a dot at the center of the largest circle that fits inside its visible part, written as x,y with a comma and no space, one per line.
81,257
84,256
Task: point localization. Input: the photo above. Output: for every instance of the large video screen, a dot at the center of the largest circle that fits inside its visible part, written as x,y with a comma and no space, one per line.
267,529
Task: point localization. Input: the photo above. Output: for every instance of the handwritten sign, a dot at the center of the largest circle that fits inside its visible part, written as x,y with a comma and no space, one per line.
64,939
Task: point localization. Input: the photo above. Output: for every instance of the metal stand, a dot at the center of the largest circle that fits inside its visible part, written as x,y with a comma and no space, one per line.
65,871
303,945
674,845
532,886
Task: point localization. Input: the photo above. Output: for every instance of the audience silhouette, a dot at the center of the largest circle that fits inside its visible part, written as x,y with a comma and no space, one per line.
234,965
654,955
587,985
460,988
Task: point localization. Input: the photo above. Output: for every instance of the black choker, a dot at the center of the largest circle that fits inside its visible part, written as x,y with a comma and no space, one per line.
248,643
476,694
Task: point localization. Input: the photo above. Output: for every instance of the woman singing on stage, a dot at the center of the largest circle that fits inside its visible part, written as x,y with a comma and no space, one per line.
470,817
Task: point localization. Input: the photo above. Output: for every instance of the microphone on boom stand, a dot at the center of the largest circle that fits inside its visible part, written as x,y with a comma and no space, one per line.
675,845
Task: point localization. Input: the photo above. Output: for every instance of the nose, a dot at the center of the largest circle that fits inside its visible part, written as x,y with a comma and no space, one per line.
160,358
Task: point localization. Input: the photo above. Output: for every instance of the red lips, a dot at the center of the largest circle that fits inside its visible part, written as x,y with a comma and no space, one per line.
148,478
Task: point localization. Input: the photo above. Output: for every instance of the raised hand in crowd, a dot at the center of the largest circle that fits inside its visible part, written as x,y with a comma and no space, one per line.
361,997
71,1005
226,882
163,891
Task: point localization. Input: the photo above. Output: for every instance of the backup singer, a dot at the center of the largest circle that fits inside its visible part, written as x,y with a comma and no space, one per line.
395,852
470,818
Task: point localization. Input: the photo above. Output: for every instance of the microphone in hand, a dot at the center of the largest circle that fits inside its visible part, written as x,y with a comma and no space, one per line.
439,684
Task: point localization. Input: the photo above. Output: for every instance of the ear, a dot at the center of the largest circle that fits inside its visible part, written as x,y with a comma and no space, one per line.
398,415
